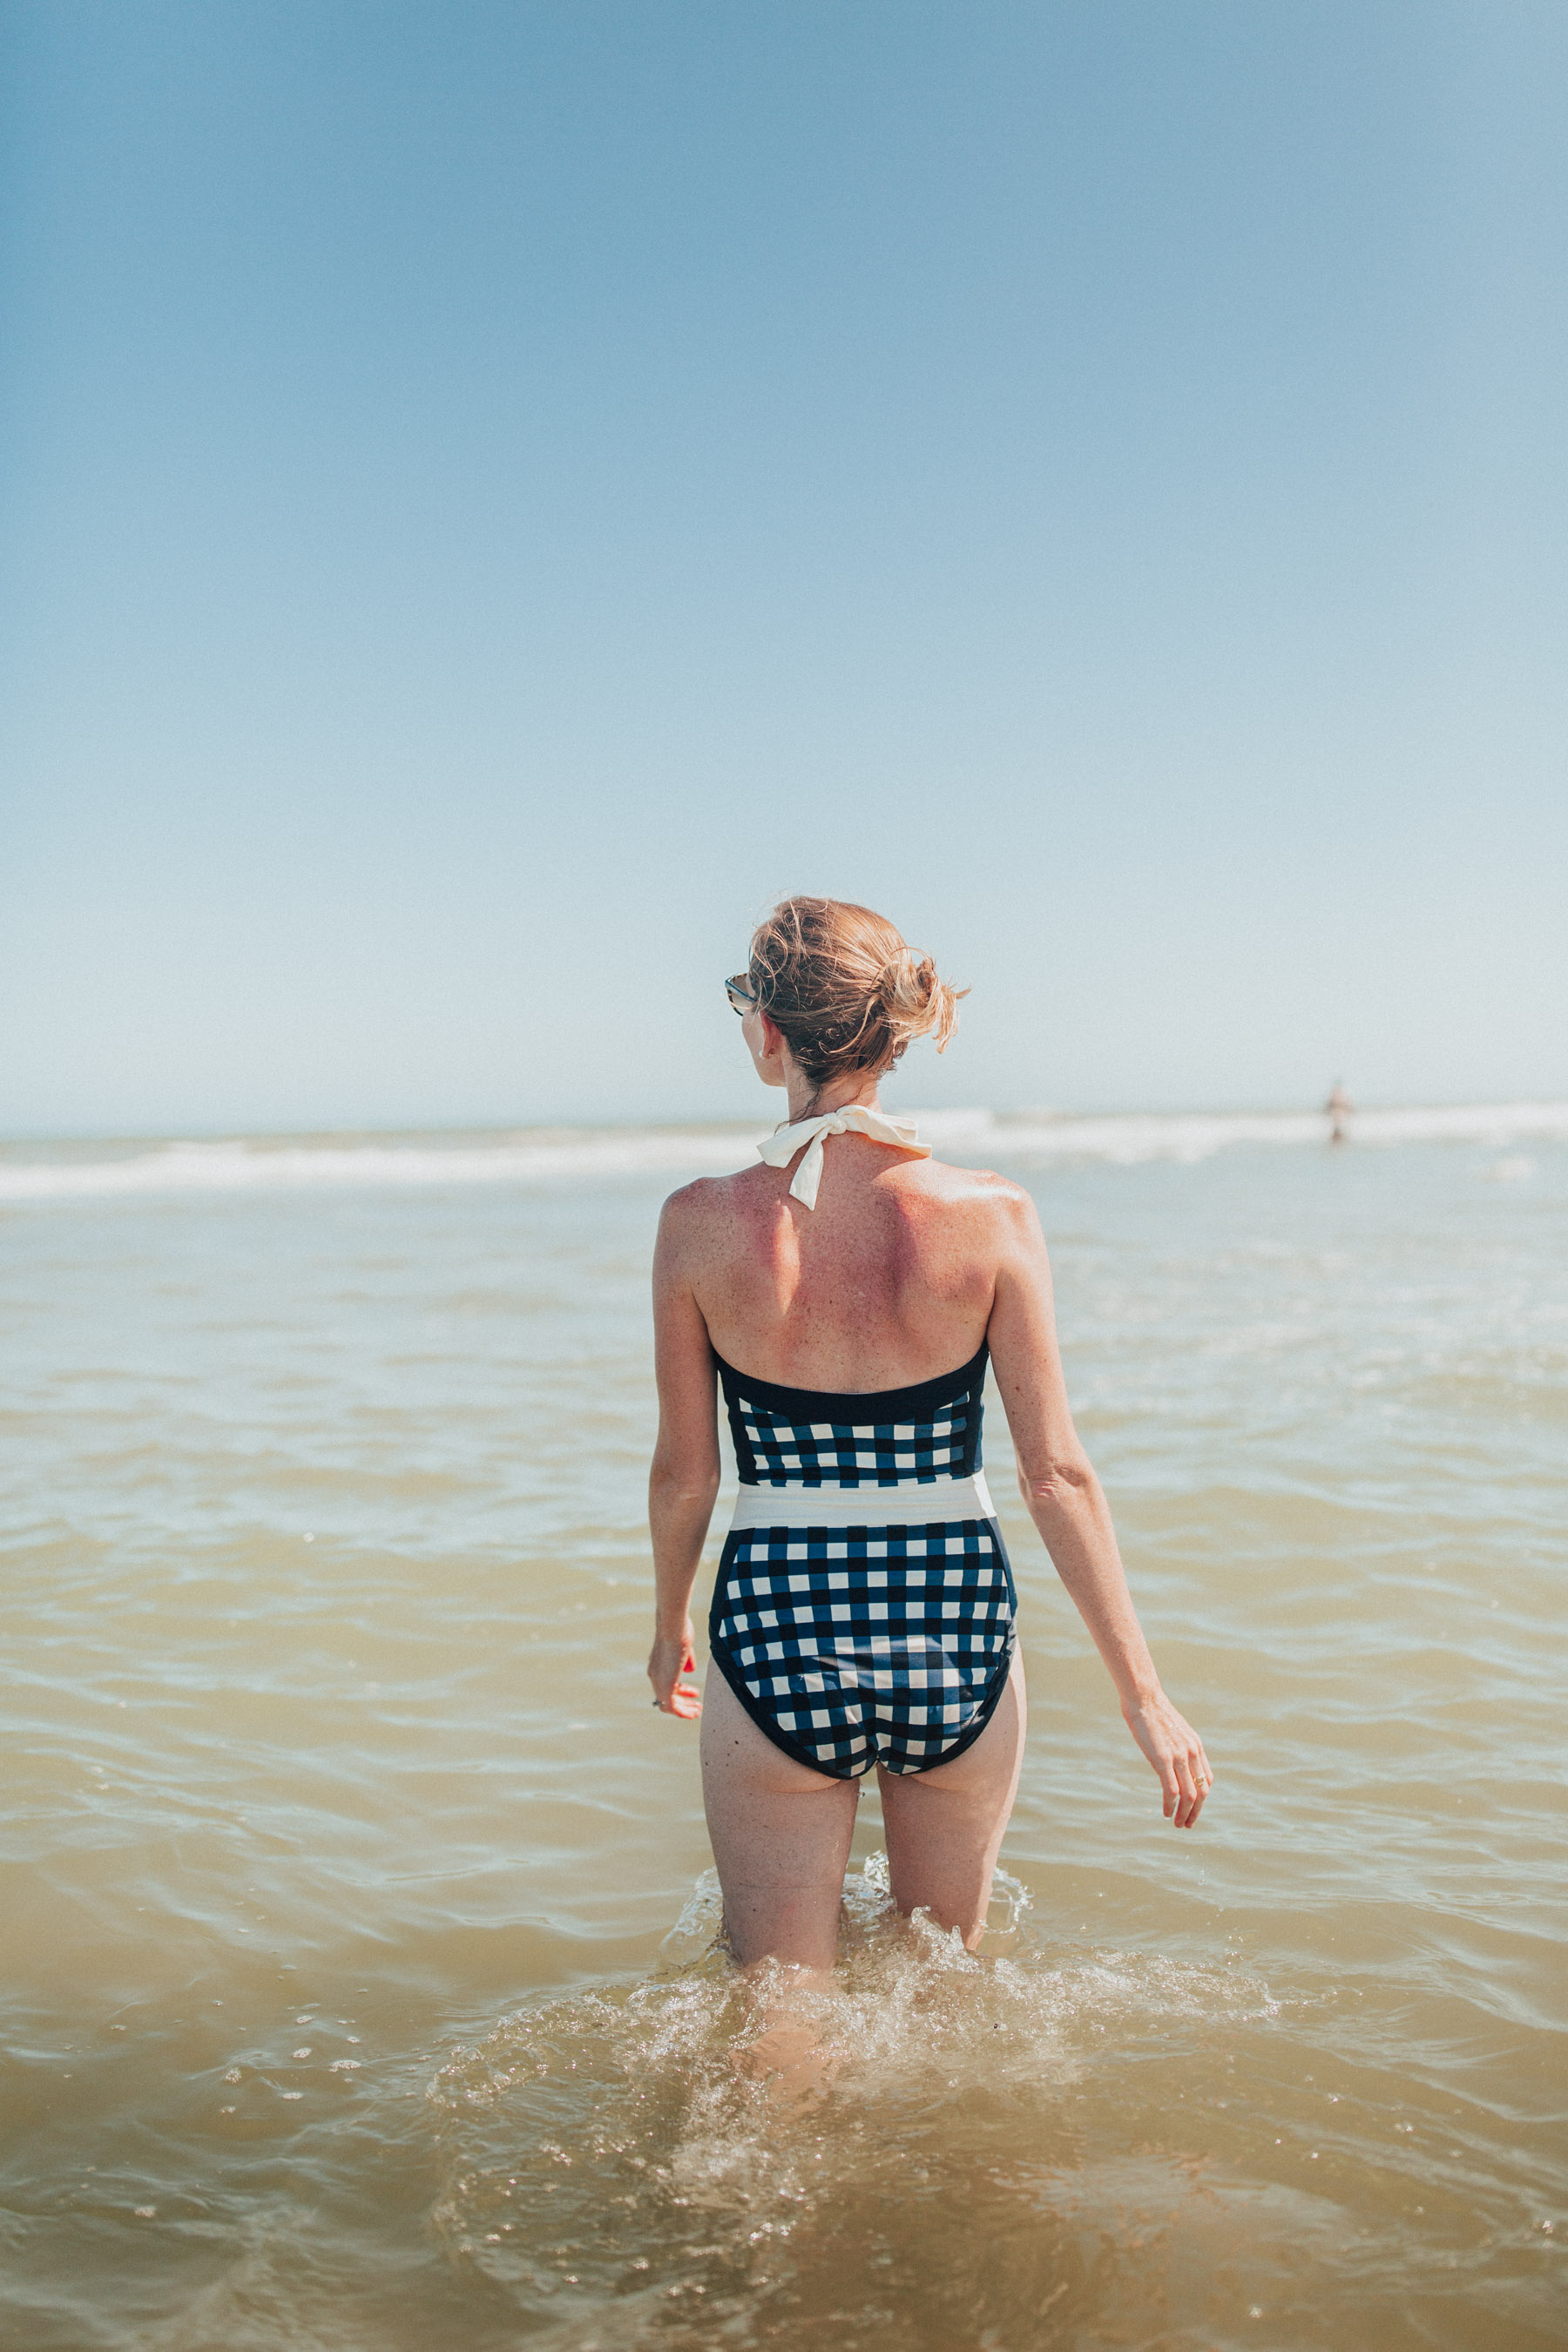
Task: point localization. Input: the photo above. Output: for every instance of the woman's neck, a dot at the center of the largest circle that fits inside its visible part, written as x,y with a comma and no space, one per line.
809,1101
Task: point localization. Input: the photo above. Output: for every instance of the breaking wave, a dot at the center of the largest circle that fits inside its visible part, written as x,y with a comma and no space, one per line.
542,1156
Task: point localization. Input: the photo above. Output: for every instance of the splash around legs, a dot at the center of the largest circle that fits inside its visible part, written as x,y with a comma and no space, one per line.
781,1836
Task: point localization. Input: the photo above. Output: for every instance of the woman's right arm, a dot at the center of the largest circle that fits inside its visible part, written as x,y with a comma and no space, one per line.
1067,1504
684,1479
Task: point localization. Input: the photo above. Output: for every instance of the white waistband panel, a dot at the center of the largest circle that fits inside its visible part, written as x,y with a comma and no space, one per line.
912,1504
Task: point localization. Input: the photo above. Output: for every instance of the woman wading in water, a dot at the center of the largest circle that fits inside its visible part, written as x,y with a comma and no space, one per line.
846,1295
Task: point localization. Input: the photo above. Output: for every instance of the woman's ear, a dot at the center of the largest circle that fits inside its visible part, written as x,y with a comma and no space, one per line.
765,1041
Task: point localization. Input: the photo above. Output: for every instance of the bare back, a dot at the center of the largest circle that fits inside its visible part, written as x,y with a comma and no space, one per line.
890,1279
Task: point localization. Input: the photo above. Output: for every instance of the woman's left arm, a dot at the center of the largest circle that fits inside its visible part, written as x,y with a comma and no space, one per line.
684,1479
1067,1504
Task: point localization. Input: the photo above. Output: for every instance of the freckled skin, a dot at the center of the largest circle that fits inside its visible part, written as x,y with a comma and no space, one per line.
890,1277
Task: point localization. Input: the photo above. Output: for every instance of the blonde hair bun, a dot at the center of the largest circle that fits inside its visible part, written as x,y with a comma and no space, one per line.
847,993
918,1002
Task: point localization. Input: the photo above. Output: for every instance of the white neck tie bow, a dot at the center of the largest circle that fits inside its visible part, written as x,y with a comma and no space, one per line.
853,1120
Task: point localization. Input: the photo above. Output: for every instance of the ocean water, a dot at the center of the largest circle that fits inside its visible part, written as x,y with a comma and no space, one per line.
356,1926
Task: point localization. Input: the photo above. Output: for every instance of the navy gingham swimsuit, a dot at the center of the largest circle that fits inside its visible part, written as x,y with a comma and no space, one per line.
864,1610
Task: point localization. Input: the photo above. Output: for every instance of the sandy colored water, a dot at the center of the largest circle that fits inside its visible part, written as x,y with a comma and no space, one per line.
353,1923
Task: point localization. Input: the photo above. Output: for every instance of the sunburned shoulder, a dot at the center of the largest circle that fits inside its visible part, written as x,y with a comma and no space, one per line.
705,1201
978,1198
712,1191
693,1200
981,1188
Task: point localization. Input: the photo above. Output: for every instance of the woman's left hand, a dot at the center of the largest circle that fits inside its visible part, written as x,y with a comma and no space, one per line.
1176,1751
672,1657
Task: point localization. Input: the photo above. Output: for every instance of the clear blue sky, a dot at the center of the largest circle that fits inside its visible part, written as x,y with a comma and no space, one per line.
495,493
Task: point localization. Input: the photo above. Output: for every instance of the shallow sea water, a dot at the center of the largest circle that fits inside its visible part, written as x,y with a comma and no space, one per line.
355,1920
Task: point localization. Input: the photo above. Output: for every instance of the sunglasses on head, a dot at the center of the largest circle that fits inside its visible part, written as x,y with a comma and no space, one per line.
738,989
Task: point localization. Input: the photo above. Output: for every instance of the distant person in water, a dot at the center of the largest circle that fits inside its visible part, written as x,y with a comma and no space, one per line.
846,1294
1338,1108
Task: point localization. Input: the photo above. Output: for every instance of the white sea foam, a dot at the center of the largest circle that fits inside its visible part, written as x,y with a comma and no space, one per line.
246,1163
555,1155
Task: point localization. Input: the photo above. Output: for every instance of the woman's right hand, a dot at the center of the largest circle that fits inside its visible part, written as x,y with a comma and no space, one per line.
1176,1753
670,1657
